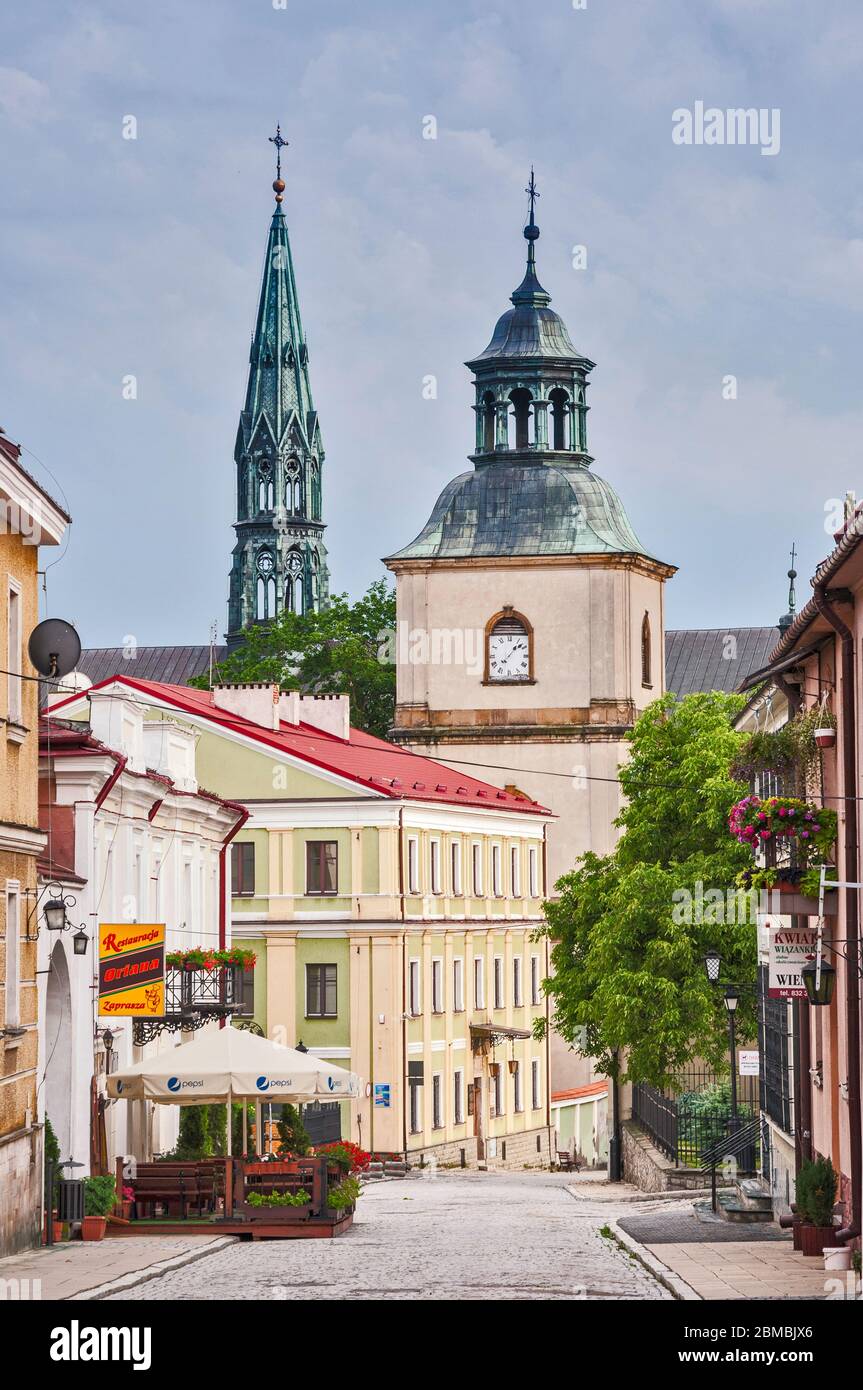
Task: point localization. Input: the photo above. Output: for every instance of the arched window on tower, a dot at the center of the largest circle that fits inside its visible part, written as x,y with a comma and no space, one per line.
316,490
261,599
298,496
488,414
559,403
521,401
645,652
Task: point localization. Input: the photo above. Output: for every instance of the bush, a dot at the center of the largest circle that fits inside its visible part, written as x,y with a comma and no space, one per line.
293,1136
52,1155
344,1195
278,1199
100,1194
816,1191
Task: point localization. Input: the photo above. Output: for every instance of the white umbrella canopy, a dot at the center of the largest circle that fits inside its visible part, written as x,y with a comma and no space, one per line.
232,1064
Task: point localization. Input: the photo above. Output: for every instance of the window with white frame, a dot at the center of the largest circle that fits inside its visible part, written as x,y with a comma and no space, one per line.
437,1101
13,955
497,1090
14,650
437,986
516,982
434,853
476,854
498,982
413,865
517,1104
458,985
535,981
515,870
458,1097
479,982
496,871
533,867
414,991
415,1093
535,1085
455,868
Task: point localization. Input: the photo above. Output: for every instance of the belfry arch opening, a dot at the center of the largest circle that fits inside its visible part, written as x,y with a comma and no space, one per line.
521,410
559,413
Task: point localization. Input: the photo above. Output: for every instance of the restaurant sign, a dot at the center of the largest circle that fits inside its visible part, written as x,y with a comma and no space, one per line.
132,969
790,948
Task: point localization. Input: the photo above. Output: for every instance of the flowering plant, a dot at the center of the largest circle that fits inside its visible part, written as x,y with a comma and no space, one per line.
128,1193
344,1154
207,958
755,822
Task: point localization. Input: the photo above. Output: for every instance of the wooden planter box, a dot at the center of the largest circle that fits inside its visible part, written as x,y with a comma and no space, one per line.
274,1215
814,1238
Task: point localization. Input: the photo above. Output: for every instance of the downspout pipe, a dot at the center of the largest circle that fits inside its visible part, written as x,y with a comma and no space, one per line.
851,1229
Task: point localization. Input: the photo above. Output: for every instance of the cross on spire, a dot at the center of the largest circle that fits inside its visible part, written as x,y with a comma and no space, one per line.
531,190
280,145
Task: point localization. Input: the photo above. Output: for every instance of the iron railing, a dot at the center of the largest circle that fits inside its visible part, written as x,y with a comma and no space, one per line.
684,1127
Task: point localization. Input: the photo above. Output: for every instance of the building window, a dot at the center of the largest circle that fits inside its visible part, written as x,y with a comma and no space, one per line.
321,993
533,865
14,654
515,870
458,1097
243,868
496,872
535,981
247,992
535,1087
414,1092
458,985
13,956
476,851
498,982
437,986
516,1088
478,982
497,1089
322,868
437,1101
645,652
414,992
455,867
516,982
434,861
413,866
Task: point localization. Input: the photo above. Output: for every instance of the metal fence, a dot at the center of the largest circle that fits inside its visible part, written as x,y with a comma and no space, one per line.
684,1125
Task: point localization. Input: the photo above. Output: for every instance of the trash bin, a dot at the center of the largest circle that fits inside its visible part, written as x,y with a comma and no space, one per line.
70,1203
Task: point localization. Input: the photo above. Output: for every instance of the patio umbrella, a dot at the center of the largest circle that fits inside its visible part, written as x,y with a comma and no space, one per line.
232,1064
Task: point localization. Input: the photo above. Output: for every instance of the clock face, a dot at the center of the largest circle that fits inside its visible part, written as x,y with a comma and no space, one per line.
508,656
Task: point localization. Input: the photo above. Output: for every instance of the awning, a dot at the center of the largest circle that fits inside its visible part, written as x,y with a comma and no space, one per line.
785,663
495,1033
232,1063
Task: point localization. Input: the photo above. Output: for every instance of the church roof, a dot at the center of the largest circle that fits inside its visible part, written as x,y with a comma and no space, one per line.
535,509
176,665
528,330
717,658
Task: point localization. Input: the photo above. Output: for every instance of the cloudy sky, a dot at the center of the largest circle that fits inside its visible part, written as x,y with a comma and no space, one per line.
142,257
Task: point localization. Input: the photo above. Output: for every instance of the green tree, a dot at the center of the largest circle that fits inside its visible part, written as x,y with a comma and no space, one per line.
630,929
293,1136
344,649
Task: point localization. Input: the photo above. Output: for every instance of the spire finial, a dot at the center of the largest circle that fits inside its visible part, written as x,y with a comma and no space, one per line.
788,618
278,182
531,231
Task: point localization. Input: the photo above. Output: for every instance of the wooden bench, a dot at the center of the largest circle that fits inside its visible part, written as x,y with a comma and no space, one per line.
178,1187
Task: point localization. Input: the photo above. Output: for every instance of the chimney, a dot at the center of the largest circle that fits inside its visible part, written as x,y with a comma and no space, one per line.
329,713
256,701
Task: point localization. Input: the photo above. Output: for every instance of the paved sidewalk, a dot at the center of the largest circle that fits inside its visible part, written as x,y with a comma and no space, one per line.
716,1259
79,1268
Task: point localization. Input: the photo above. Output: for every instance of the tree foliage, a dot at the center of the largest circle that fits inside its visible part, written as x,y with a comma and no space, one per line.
341,650
630,929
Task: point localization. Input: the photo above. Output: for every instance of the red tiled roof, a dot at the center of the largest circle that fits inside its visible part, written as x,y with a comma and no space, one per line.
594,1088
368,761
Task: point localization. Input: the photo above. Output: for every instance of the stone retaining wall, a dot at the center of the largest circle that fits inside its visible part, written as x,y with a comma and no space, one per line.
533,1148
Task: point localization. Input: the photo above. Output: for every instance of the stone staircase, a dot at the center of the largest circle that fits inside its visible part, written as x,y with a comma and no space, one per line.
748,1201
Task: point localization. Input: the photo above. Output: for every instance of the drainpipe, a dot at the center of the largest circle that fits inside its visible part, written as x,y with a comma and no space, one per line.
223,891
406,1082
852,922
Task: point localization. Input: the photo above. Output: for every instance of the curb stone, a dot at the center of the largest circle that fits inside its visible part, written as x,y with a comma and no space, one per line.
673,1282
143,1276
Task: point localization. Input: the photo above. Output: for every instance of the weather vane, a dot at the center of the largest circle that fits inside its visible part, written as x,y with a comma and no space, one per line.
278,184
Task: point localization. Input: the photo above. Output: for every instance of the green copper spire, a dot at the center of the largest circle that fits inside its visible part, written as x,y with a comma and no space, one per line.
279,558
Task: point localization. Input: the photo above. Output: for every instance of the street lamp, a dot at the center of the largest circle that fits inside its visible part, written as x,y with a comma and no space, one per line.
731,1000
80,942
712,965
55,914
818,992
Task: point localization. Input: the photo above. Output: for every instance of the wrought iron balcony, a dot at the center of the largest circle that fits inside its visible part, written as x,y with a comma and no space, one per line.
193,996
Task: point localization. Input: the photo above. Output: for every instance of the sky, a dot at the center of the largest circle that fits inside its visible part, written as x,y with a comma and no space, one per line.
719,291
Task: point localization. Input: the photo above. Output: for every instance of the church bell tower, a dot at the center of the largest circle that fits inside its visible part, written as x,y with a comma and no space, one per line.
279,559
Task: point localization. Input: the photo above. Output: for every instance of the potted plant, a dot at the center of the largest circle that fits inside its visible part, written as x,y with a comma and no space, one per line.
825,732
816,1194
100,1194
125,1202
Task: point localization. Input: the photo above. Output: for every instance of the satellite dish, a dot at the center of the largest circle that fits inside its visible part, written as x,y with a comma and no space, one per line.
54,648
76,683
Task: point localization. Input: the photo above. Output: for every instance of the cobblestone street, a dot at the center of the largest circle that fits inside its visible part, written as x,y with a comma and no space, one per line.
454,1236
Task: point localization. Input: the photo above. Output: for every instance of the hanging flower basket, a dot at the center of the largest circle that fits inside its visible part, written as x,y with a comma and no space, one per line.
825,738
204,958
